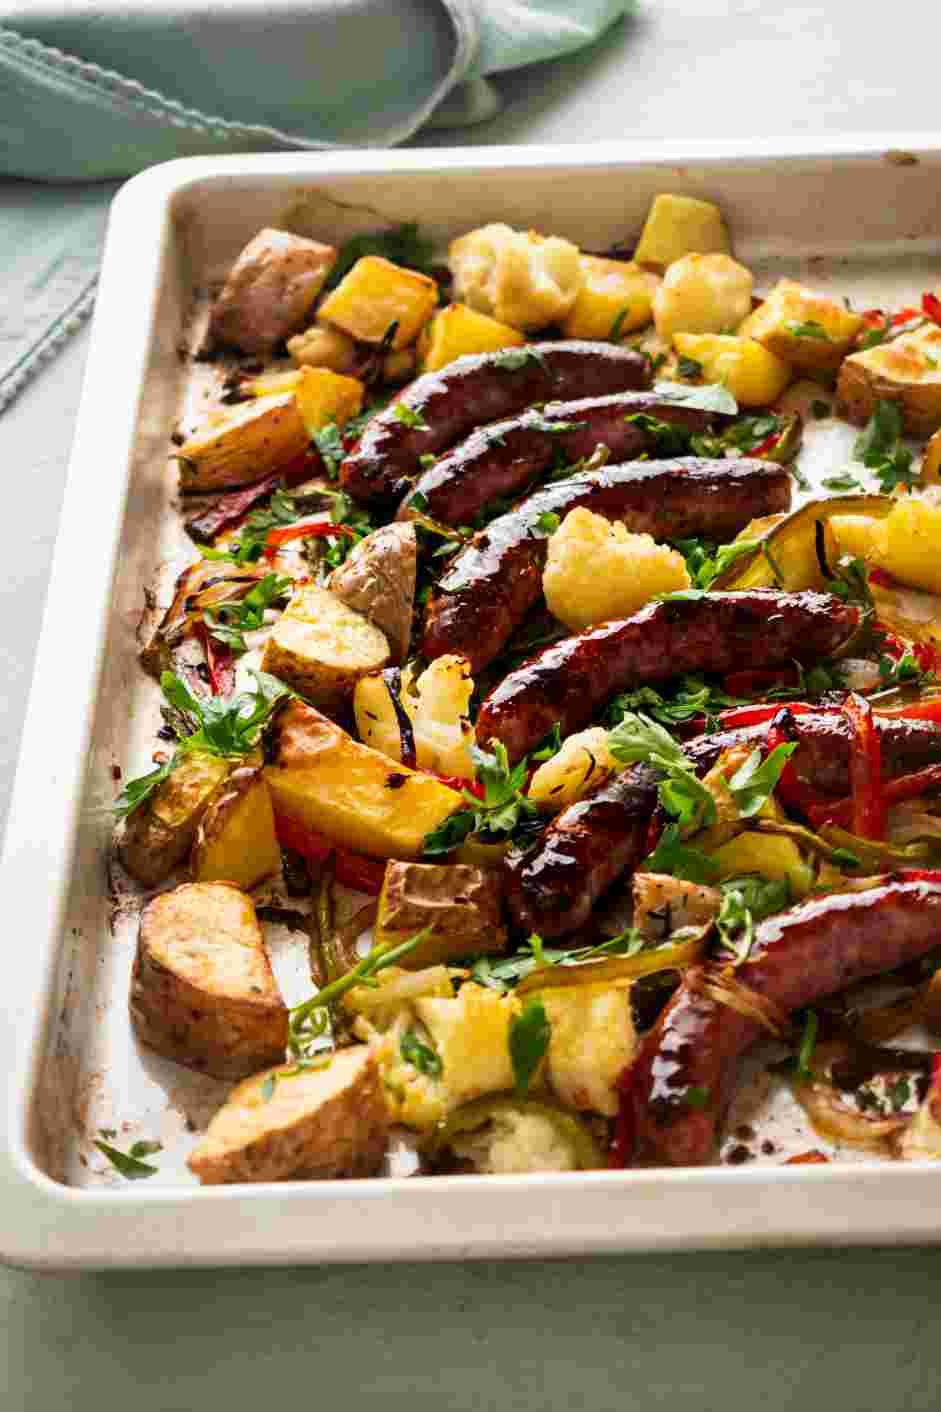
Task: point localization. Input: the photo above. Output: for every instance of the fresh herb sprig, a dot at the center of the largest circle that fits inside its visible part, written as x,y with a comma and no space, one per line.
745,901
529,1036
879,447
503,812
228,622
228,726
129,1164
402,245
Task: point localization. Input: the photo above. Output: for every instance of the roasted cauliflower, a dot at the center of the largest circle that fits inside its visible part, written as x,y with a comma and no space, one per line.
583,762
596,571
520,278
437,704
702,294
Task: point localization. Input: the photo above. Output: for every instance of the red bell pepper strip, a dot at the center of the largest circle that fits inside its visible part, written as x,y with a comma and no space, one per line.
767,445
802,1158
352,869
840,811
931,306
220,662
305,529
865,768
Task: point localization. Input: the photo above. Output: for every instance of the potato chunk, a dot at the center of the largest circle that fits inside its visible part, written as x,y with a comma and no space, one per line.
249,443
160,833
906,371
437,703
596,571
324,780
677,226
907,542
325,1122
615,298
202,991
378,580
457,330
321,647
754,376
810,331
236,840
321,346
270,290
374,295
323,397
592,1041
461,903
520,278
702,294
583,763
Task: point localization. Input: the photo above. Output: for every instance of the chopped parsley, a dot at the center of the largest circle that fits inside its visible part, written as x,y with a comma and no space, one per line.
129,1164
529,1037
503,812
548,522
809,329
879,448
755,781
229,726
688,368
693,696
808,1044
615,334
706,562
745,901
843,482
409,417
227,622
423,1057
681,792
510,360
329,443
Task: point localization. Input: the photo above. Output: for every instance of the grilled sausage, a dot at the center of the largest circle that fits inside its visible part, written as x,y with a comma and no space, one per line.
798,957
553,885
710,632
505,458
495,580
441,408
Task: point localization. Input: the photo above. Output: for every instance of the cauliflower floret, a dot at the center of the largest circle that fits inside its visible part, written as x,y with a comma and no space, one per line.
516,1142
323,347
583,762
596,571
520,278
702,294
436,703
592,1041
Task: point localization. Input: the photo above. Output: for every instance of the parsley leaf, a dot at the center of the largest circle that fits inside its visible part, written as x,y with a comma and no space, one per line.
809,329
899,1094
681,793
697,1097
128,1163
755,781
879,448
615,333
712,397
402,245
705,562
667,438
808,1044
673,856
329,443
693,696
420,1055
529,1039
843,482
548,522
409,417
503,811
745,901
228,621
512,359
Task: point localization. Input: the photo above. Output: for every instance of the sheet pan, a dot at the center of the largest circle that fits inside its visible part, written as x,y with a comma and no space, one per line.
862,218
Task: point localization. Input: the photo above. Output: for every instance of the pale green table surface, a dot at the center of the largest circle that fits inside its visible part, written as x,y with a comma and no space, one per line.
804,1330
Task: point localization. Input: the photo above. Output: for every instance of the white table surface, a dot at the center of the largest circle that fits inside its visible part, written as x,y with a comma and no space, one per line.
780,1330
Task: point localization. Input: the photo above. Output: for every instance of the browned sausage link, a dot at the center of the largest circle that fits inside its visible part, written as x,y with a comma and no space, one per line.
552,887
494,582
556,882
710,632
504,459
799,957
441,408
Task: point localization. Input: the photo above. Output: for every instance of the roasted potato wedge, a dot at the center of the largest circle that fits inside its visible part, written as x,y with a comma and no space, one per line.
378,580
457,330
907,371
583,763
374,295
254,440
325,1122
677,226
235,841
160,833
754,376
321,647
324,780
461,903
202,989
324,397
809,331
270,290
615,299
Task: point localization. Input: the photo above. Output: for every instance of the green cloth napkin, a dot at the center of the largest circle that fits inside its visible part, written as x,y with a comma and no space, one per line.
96,90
